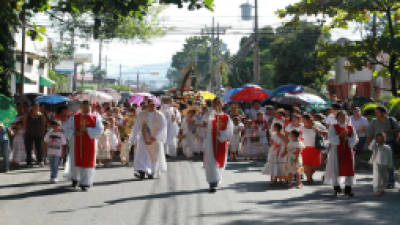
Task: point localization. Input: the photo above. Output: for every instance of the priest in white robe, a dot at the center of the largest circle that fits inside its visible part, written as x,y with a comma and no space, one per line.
219,131
149,134
83,129
173,117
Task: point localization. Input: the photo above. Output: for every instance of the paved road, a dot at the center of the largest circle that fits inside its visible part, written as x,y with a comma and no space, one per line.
180,197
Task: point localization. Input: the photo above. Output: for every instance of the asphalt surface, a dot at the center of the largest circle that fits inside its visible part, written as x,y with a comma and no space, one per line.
180,197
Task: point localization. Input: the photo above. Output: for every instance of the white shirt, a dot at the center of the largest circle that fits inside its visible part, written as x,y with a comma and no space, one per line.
359,124
309,137
331,119
55,141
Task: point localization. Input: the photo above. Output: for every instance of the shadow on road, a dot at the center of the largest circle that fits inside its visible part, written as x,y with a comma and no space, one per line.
39,193
156,196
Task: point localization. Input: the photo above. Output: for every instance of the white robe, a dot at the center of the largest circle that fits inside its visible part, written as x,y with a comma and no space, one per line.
213,172
84,176
189,142
171,143
142,160
332,166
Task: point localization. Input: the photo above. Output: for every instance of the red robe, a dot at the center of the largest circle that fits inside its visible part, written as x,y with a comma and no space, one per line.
345,153
85,150
220,148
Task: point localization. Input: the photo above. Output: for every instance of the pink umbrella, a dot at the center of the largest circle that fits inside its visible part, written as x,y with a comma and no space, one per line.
138,98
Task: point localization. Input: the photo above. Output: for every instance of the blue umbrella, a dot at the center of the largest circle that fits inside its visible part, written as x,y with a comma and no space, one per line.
289,88
52,99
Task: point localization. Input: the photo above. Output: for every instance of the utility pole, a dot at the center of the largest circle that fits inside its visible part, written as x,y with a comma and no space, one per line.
105,74
256,62
120,74
101,81
375,88
73,58
218,72
211,31
212,56
20,89
137,81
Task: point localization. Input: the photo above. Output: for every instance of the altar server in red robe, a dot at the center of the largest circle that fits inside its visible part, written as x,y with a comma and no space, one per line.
219,131
83,129
340,165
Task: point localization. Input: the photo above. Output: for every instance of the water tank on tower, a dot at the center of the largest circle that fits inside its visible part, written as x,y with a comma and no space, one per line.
246,11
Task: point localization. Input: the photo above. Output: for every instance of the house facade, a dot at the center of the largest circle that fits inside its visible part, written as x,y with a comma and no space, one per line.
346,84
35,68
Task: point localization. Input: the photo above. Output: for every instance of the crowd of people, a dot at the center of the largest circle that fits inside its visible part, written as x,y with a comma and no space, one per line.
292,142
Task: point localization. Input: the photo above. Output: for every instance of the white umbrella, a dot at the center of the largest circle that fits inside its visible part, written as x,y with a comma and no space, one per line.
93,96
116,96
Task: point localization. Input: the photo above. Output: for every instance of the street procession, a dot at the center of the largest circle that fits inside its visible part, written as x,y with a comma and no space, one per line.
285,112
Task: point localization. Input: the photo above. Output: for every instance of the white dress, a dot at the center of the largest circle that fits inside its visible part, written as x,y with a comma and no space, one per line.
247,144
18,147
189,142
236,140
275,165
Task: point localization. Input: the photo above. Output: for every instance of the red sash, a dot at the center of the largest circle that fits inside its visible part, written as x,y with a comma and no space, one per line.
85,150
220,148
345,153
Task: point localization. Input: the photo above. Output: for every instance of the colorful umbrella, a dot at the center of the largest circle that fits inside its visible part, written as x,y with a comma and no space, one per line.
138,98
250,94
300,99
229,94
207,95
289,88
7,110
93,96
52,99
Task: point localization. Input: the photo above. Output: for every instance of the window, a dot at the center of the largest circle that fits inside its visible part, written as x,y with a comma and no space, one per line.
30,61
18,57
41,65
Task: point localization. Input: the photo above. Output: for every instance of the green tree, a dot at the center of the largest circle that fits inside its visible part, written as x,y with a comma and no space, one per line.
197,49
12,11
295,52
359,53
287,55
242,70
60,80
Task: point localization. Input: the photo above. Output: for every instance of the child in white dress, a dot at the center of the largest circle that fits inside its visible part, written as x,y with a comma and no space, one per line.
18,146
382,161
248,134
104,145
235,144
275,166
294,162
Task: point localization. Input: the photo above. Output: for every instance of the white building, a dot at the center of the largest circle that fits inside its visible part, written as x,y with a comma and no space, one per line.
36,67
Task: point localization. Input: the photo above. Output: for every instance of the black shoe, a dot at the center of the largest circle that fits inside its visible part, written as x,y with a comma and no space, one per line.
74,183
348,192
212,190
150,176
140,175
337,190
84,188
390,186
